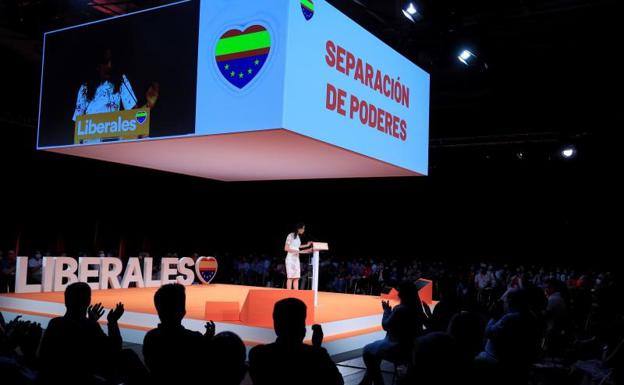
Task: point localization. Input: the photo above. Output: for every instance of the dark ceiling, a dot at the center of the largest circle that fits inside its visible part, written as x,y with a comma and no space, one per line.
546,77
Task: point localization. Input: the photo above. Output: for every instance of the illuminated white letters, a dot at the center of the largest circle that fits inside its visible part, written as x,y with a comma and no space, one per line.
84,273
187,275
59,272
109,273
132,274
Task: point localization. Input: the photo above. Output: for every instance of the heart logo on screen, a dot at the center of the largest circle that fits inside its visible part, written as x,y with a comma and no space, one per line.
206,268
141,116
240,55
307,7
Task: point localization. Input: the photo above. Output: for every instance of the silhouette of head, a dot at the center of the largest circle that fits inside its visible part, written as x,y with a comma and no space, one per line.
439,353
517,301
289,319
447,292
468,328
552,286
170,302
227,355
77,298
408,293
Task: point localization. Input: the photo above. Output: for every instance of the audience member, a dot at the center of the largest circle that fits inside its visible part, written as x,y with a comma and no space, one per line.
402,324
172,353
226,358
74,349
512,340
288,360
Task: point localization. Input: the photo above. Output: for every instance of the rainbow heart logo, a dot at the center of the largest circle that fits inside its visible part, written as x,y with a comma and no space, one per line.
141,116
240,55
206,268
307,7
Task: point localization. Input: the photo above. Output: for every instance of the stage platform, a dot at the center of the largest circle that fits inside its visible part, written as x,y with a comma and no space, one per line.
349,321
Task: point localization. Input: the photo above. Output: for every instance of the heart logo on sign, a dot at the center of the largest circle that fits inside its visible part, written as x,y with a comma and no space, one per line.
240,55
206,268
141,116
307,7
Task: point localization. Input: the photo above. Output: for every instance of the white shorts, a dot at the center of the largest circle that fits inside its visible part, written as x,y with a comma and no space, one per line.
293,267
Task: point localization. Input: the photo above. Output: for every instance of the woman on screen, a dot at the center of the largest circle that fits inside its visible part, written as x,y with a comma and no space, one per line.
108,91
292,248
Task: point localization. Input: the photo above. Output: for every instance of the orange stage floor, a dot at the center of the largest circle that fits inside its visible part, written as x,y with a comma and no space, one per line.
331,306
349,321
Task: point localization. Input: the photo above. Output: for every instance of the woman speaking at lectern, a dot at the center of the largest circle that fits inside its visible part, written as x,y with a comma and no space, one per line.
292,248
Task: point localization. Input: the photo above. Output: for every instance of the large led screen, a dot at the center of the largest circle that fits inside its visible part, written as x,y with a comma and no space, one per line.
125,78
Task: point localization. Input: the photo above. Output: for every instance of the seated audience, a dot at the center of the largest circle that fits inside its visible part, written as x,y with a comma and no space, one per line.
8,266
444,310
468,330
576,315
19,341
436,360
512,340
402,324
555,316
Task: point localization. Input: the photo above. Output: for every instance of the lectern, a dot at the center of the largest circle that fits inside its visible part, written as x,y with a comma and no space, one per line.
317,247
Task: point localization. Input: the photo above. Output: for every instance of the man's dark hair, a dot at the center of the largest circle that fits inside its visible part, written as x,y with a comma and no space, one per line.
289,316
77,297
408,293
227,354
170,302
518,300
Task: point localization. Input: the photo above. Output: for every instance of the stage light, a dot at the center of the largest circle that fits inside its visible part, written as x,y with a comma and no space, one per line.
568,152
411,12
466,57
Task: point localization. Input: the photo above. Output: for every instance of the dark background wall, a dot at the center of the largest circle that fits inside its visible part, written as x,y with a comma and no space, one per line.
472,206
497,187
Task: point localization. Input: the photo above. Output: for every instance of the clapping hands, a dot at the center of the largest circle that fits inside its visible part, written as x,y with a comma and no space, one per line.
210,329
317,335
25,334
95,312
115,314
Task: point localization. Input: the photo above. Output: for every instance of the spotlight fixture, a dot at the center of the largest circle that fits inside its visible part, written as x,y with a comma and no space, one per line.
411,12
568,152
466,57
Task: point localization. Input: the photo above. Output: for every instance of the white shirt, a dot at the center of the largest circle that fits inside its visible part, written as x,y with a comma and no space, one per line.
105,99
483,280
293,243
556,310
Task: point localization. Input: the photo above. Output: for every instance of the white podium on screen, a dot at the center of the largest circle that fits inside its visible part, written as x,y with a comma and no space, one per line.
317,247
